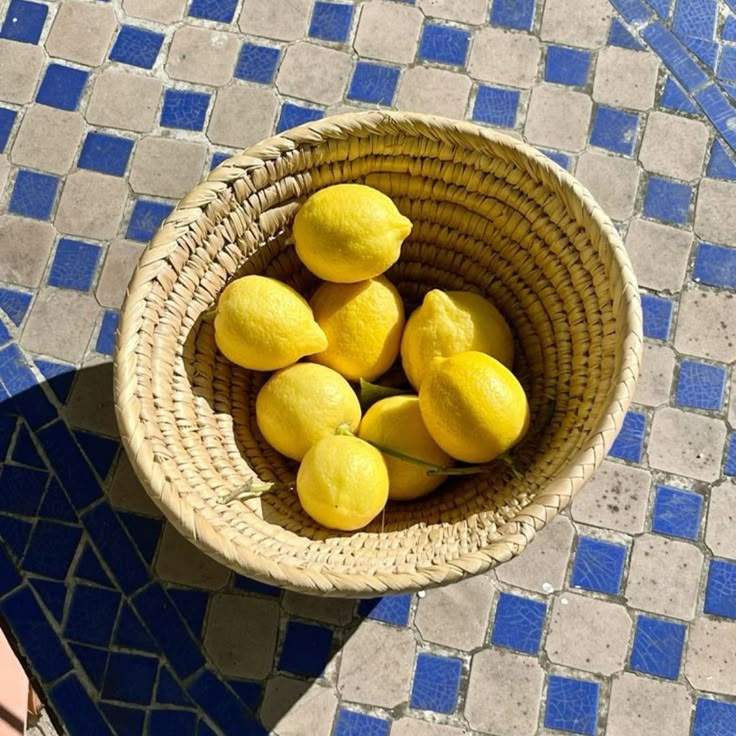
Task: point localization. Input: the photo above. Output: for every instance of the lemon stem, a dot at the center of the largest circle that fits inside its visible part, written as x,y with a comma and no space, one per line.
209,314
370,393
344,429
432,468
251,490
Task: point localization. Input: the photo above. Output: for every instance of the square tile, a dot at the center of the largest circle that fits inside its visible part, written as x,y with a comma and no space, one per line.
504,57
166,167
292,115
657,647
242,115
677,512
710,658
715,220
392,609
124,100
146,218
615,130
560,158
184,109
444,44
105,344
518,623
74,265
598,566
714,718
253,586
388,31
352,723
257,63
7,119
701,386
720,164
51,549
285,20
331,21
105,153
572,705
625,78
518,14
668,201
657,311
558,117
92,615
434,91
373,82
82,32
592,19
137,47
202,56
21,64
629,445
496,106
24,21
130,678
567,66
674,146
33,195
720,592
436,683
715,265
306,649
62,87
222,11
314,72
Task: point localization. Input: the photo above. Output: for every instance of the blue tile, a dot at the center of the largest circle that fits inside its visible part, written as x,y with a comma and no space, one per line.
74,265
674,98
444,44
720,164
59,377
251,693
706,51
701,386
137,47
144,531
8,424
331,21
720,592
374,83
124,721
4,338
218,10
106,339
675,56
33,195
19,382
185,110
168,722
40,642
306,649
222,705
24,21
634,11
154,607
598,566
663,7
629,444
130,678
255,587
436,683
695,18
657,311
192,605
714,718
100,451
715,265
728,32
619,35
15,533
7,118
668,201
52,595
146,218
51,549
292,115
657,648
719,110
89,568
93,661
560,158
517,14
56,506
518,623
218,157
23,489
351,723
9,578
677,512
496,106
614,130
169,691
572,705
130,633
92,615
257,63
15,304
75,708
105,153
567,66
730,466
392,609
62,87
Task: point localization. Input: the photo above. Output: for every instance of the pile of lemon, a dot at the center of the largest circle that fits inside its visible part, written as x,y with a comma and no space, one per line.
456,351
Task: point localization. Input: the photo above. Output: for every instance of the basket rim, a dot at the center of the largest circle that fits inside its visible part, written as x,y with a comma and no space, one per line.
516,533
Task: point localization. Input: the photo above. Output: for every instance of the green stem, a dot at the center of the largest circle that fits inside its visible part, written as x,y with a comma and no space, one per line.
209,314
370,393
432,468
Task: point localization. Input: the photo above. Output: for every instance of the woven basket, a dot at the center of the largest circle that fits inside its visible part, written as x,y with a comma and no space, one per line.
490,215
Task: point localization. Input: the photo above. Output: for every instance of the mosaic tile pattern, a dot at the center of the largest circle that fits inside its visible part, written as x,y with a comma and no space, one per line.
620,618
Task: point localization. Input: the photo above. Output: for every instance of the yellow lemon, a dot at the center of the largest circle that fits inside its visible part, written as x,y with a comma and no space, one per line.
450,322
303,403
342,482
349,232
264,325
363,324
396,423
473,406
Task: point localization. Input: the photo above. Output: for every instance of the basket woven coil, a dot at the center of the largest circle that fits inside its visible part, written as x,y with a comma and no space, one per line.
490,215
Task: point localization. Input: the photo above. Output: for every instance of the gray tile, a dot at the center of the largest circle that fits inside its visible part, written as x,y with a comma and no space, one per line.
711,656
21,64
24,249
82,32
721,521
293,707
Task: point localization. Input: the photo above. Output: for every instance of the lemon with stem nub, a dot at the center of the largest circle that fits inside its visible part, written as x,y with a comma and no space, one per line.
263,324
342,482
303,403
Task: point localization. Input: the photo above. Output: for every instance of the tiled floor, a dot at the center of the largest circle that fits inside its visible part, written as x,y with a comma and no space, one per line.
620,619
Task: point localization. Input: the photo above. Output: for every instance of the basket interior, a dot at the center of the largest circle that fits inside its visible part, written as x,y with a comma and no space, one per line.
486,218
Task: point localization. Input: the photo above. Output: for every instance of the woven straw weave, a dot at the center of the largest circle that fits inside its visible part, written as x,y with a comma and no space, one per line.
490,215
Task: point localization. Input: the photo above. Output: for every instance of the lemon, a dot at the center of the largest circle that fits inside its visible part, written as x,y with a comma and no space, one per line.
396,423
264,325
342,482
363,324
450,322
349,232
473,406
303,403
